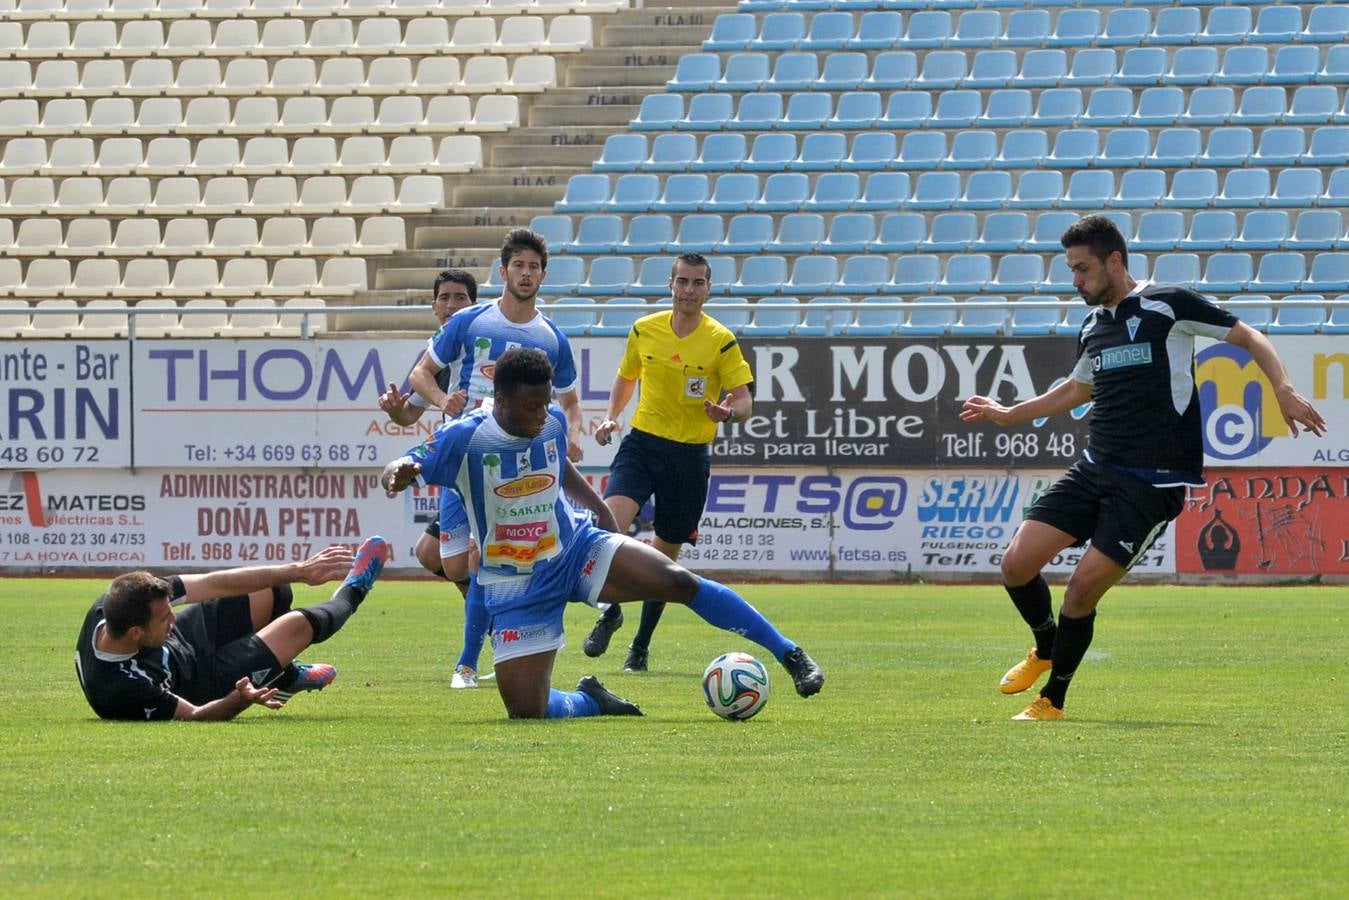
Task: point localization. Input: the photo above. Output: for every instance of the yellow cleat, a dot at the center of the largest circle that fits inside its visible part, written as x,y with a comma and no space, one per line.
1023,675
1040,710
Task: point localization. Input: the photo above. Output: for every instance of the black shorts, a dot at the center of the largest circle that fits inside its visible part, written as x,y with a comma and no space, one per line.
1121,515
224,646
433,528
675,474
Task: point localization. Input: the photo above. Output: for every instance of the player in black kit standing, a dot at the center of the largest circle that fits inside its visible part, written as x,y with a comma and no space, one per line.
1135,363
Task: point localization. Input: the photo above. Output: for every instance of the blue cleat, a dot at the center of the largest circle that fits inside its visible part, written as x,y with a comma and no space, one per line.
370,560
308,677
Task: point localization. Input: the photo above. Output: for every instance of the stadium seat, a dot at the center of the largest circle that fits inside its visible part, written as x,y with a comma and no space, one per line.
623,153
744,72
1003,232
609,276
773,317
1194,188
1296,188
1327,24
892,70
1337,189
942,70
1142,66
1159,106
747,233
798,233
1241,188
1210,230
814,274
821,153
862,275
842,72
1261,230
778,31
1292,65
731,31
982,318
906,110
633,193
755,112
991,69
1024,149
921,150
899,233
1092,67
782,192
834,191
1108,106
1212,105
1329,272
653,277
1226,273
1037,189
697,234
891,190
646,234
849,233
574,315
1258,315
1033,321
821,321
1049,228
1303,314
1228,147
674,152
684,192
1026,28
971,150
597,234
1316,229
1314,104
1007,108
720,153
1336,68
914,274
695,72
760,276
805,112
1176,148
1057,107
584,193
733,192
986,190
877,30
791,72
1279,272
1075,149
1246,65
935,190
1338,321
951,232
966,273
659,112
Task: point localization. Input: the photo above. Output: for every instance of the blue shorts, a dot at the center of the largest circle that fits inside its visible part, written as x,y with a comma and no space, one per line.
526,613
453,530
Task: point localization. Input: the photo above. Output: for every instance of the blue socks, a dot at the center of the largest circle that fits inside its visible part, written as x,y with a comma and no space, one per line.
571,705
718,605
476,621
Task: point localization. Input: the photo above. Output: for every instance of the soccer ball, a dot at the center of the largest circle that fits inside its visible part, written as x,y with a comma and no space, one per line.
735,686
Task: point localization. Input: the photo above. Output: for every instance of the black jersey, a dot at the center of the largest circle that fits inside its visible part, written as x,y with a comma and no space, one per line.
1139,359
139,686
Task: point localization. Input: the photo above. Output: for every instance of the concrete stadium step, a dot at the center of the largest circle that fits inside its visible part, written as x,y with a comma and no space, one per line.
637,57
523,155
619,76
544,114
667,36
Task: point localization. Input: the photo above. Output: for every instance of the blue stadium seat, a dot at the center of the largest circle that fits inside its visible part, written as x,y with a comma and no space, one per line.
1246,65
1277,25
1280,147
957,109
1256,316
1292,65
1049,227
834,191
878,30
783,192
728,312
1003,232
1263,229
928,322
821,153
684,192
1227,25
1193,65
744,72
862,275
1109,106
1076,28
1338,323
622,153
921,150
1159,229
648,234
721,153
774,317
574,315
1176,25
1316,229
1042,68
1210,229
554,229
1336,68
857,110
673,152
1026,28
815,274
770,152
565,273
723,273
760,112
914,274
1125,28
1210,106
1007,108
1296,188
967,273
892,70
1314,104
972,150
1142,66
1076,149
798,233
1304,314
1019,272
1057,106
1329,272
978,28
929,29
634,193
1192,188
706,112
695,72
1023,149
584,193
850,233
986,190
888,190
653,278
616,322
821,321
907,109
779,31
1337,189
609,276
1037,189
794,72
731,31
1326,24
991,69
747,233
1176,148
942,69
597,234
899,233
659,112
873,322
982,318
842,72
951,232
1092,67
1263,105
1140,189
1089,189
1280,272
1226,273
733,192
1243,188
935,190
1159,106
760,276
870,151
1228,147
1329,147
1033,321
1125,147
1059,279
828,31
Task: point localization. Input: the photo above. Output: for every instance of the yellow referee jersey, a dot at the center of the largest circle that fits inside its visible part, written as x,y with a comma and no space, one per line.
678,374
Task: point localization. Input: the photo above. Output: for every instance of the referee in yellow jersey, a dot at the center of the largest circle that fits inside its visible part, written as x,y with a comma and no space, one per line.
685,360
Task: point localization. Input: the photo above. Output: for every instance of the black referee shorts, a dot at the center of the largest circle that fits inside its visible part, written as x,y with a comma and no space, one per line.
675,474
1121,515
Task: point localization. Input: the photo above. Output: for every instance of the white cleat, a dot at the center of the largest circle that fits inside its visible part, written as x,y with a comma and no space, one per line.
464,677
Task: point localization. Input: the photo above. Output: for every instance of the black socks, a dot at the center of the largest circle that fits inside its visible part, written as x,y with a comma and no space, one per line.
651,613
1032,601
327,618
1074,637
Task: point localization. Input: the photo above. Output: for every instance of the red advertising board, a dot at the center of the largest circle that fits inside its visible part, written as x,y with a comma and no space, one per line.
1266,522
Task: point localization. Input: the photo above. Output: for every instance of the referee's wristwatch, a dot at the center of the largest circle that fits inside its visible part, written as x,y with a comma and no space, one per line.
730,415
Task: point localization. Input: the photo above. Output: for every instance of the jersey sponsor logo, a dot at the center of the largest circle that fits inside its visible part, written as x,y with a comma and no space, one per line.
1233,397
1132,324
521,531
524,486
517,554
1124,357
512,635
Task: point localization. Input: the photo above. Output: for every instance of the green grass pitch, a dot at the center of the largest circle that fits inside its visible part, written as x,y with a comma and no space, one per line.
1206,754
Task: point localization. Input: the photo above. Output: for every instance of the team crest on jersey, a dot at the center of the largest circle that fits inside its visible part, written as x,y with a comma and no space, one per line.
550,452
1132,324
522,461
695,386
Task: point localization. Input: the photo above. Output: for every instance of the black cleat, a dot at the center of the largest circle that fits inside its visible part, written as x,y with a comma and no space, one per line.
636,661
610,703
598,640
807,676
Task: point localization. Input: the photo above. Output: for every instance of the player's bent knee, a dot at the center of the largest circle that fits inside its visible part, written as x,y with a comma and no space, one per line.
680,585
428,553
455,567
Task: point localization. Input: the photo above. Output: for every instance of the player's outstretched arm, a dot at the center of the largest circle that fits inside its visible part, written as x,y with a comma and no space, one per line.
1295,408
736,406
400,473
422,379
1052,402
620,394
580,492
570,401
397,407
326,565
236,701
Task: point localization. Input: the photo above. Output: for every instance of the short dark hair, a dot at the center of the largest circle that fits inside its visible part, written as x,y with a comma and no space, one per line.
458,276
127,602
1100,235
521,366
518,239
691,259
